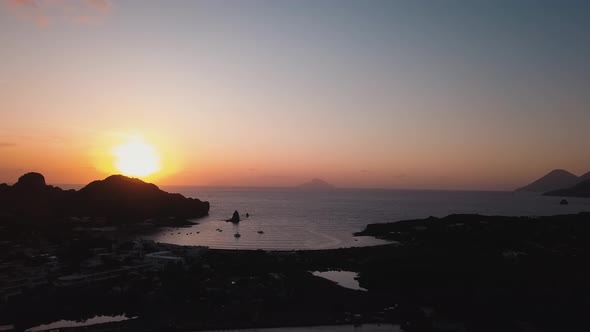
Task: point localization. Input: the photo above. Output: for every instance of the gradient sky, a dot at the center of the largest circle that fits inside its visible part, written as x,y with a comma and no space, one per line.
396,94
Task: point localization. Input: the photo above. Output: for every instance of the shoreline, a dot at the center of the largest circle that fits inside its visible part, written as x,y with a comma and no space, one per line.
439,270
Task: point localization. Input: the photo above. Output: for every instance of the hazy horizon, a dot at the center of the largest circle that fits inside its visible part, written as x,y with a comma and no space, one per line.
294,186
371,94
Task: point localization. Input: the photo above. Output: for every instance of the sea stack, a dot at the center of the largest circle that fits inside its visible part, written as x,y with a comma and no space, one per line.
235,217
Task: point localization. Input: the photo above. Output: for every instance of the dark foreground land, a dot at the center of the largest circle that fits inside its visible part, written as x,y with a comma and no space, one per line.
458,273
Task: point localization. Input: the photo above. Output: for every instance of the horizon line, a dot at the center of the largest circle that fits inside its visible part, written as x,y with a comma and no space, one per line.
295,187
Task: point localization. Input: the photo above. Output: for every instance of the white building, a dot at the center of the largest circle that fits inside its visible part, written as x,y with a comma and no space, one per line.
161,259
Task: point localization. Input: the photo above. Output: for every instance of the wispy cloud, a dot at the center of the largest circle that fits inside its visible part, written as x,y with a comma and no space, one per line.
7,145
102,5
274,176
48,12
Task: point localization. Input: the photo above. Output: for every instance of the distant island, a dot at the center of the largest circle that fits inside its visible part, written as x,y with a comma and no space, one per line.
556,179
316,184
116,196
560,182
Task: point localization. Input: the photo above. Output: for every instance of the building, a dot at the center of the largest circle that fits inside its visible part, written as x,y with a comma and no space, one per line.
161,259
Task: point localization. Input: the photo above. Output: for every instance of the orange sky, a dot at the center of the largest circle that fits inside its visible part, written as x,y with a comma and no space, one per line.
394,95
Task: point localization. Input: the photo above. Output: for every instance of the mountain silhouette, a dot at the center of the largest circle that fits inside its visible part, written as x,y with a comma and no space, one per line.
581,189
30,196
31,182
115,196
316,184
556,179
585,177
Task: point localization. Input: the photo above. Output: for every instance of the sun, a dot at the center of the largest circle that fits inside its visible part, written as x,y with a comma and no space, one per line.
136,158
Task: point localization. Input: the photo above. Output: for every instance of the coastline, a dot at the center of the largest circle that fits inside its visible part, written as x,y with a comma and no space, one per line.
425,279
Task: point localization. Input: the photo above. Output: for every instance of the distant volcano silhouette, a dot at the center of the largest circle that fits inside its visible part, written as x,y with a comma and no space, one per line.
556,179
316,184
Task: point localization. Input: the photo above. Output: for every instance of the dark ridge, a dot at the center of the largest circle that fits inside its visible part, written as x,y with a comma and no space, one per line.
115,196
475,231
581,189
585,177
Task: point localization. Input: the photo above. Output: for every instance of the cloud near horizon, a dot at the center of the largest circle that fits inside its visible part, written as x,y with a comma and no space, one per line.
48,12
7,145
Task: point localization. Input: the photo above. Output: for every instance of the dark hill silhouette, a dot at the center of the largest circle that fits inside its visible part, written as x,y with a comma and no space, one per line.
316,184
585,177
115,196
119,195
30,182
581,189
556,179
30,196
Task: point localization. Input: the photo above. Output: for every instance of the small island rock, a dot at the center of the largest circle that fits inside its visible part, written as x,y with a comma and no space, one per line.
235,217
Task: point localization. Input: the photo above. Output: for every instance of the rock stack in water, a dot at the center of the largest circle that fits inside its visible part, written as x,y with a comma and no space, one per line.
235,217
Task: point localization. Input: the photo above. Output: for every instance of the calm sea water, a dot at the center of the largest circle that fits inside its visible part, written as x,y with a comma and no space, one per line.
293,219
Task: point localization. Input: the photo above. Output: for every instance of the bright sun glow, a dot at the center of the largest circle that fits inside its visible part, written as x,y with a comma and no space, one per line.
136,158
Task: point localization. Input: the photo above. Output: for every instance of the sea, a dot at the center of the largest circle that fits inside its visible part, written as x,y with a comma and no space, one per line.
293,219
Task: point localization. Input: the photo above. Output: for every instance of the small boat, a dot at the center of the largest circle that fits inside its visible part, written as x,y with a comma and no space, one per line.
237,235
260,232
